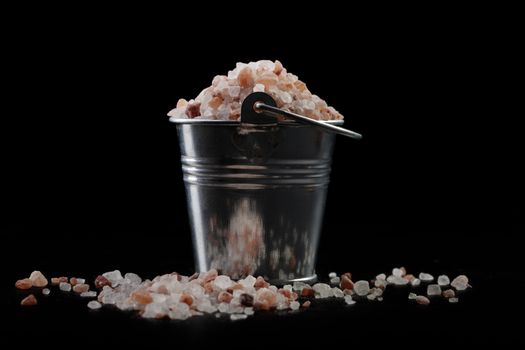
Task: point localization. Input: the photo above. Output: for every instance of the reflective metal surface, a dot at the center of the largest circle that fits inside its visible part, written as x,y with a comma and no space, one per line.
256,196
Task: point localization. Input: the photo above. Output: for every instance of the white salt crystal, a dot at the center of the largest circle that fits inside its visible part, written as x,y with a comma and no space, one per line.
88,294
288,287
222,282
81,280
400,281
248,311
298,286
258,88
453,300
236,317
63,286
379,298
294,305
335,280
349,300
371,296
412,296
380,282
248,281
332,275
46,291
433,289
361,288
426,277
381,276
338,293
93,305
115,277
397,272
133,278
415,282
443,280
460,282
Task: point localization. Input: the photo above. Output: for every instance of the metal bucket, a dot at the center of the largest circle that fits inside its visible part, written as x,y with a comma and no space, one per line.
256,196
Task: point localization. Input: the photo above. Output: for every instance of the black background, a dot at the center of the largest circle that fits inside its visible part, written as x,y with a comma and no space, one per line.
92,180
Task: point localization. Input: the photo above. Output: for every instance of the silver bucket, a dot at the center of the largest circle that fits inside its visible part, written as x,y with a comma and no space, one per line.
256,197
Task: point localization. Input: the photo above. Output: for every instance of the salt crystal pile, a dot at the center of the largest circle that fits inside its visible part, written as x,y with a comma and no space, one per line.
223,99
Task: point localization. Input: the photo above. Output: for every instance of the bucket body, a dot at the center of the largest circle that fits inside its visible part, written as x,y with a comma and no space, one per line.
256,196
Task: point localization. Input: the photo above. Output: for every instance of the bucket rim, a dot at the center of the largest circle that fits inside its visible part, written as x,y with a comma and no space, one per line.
238,122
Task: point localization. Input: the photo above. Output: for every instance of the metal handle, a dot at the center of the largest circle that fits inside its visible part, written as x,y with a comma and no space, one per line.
257,102
328,127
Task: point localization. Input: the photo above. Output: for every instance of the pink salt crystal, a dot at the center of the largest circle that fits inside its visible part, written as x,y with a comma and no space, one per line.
224,297
261,283
246,299
210,275
102,281
278,68
245,77
422,300
142,297
181,103
73,281
409,277
265,299
30,300
346,282
307,292
215,102
186,299
80,288
55,281
307,304
25,283
38,279
193,109
449,293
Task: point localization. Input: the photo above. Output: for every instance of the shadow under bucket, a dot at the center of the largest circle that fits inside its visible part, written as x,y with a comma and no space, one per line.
256,195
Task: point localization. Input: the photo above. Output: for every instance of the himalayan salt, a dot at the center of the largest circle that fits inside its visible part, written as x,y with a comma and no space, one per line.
30,300
38,279
187,299
306,304
443,280
460,282
25,283
65,287
80,288
265,299
449,293
73,281
102,281
142,297
346,283
307,292
57,280
361,288
294,305
93,305
422,300
433,290
225,297
223,99
261,283
246,299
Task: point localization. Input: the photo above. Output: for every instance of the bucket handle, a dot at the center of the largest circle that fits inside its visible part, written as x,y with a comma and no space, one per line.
258,102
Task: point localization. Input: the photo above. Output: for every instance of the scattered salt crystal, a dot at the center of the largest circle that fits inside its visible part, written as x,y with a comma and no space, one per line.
422,300
398,272
443,280
335,281
236,317
371,296
426,277
376,291
460,282
222,282
25,283
294,305
338,293
380,282
361,288
322,290
38,279
433,289
30,300
93,305
379,298
80,288
453,300
248,282
81,280
332,275
46,291
248,311
412,296
449,293
88,294
298,286
349,300
415,282
258,87
307,304
63,286
381,276
397,280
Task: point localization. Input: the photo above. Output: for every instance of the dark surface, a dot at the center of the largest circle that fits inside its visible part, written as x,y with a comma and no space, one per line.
92,181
